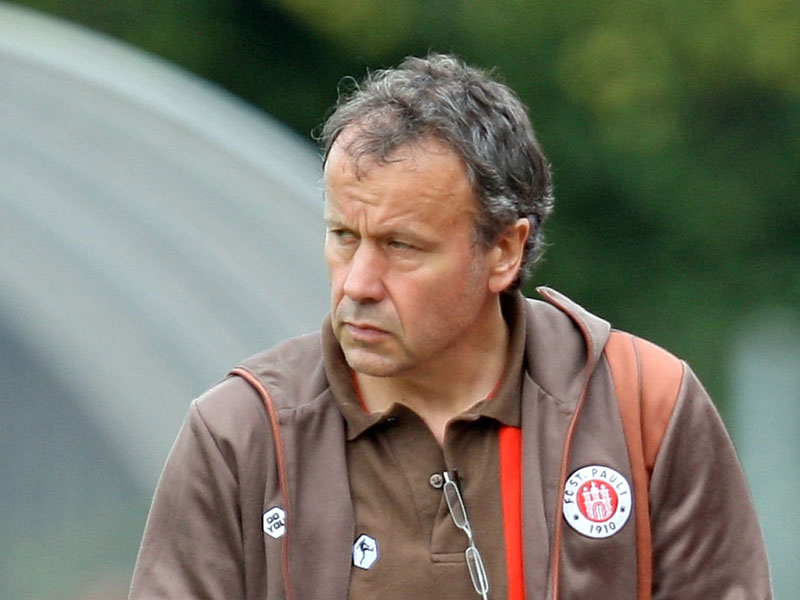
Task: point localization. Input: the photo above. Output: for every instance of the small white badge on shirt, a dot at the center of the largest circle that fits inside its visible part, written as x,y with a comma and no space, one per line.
597,501
365,551
274,522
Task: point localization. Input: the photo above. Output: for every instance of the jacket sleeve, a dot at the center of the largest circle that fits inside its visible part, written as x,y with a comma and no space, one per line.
707,541
192,545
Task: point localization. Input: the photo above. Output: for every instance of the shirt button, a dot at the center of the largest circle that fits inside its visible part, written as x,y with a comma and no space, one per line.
436,480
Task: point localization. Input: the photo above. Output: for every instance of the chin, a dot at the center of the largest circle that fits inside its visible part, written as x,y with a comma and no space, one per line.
370,365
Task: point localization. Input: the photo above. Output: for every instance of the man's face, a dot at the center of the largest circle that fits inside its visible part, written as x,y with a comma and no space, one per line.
408,285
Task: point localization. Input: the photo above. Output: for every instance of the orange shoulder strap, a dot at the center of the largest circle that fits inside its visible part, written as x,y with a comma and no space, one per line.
280,459
647,381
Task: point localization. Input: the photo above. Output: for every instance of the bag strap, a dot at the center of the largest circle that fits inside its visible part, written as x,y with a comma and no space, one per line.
647,381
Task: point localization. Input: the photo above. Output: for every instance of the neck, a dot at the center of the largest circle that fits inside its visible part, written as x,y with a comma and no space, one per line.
449,383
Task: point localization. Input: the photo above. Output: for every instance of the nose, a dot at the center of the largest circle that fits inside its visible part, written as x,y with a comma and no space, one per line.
364,277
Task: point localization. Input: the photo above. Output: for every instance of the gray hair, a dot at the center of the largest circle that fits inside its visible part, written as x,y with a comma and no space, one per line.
479,118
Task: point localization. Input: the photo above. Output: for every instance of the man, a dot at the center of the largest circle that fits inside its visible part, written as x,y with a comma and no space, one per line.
443,437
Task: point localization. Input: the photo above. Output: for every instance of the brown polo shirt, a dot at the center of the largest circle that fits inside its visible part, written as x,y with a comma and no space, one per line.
410,548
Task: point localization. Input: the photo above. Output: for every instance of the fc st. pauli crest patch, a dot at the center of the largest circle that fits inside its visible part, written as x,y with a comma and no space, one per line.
597,501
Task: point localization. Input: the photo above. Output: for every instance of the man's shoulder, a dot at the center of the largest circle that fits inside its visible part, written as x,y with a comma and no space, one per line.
300,353
559,314
563,336
292,371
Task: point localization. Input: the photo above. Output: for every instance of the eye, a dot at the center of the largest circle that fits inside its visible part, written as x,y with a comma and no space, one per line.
341,234
400,245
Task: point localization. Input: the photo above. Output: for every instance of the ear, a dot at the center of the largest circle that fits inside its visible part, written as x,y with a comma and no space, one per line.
506,256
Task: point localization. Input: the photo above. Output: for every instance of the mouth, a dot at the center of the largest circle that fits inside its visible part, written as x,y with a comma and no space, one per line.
364,332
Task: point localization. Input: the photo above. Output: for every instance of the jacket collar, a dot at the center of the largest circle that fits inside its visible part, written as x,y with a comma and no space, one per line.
564,344
594,329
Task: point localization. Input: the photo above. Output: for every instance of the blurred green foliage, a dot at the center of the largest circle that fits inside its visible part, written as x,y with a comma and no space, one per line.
673,128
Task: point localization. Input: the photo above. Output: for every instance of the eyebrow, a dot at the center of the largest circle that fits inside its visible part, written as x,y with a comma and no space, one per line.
414,237
331,220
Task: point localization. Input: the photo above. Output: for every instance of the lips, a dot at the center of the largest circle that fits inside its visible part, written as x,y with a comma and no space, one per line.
365,332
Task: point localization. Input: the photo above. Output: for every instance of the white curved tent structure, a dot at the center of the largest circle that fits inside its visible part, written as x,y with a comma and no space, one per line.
154,230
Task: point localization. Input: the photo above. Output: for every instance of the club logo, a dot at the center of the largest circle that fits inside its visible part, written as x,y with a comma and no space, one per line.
365,552
597,501
274,522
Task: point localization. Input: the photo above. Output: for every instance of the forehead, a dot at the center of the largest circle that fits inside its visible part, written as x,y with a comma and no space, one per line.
421,173
366,149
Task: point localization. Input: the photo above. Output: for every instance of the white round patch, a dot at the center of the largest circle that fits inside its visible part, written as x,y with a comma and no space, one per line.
597,501
365,551
274,522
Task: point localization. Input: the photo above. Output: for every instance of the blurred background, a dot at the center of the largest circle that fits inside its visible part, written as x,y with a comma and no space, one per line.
160,220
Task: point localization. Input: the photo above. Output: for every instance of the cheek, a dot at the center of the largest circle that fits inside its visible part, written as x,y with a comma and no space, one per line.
336,285
329,255
335,278
420,300
334,265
